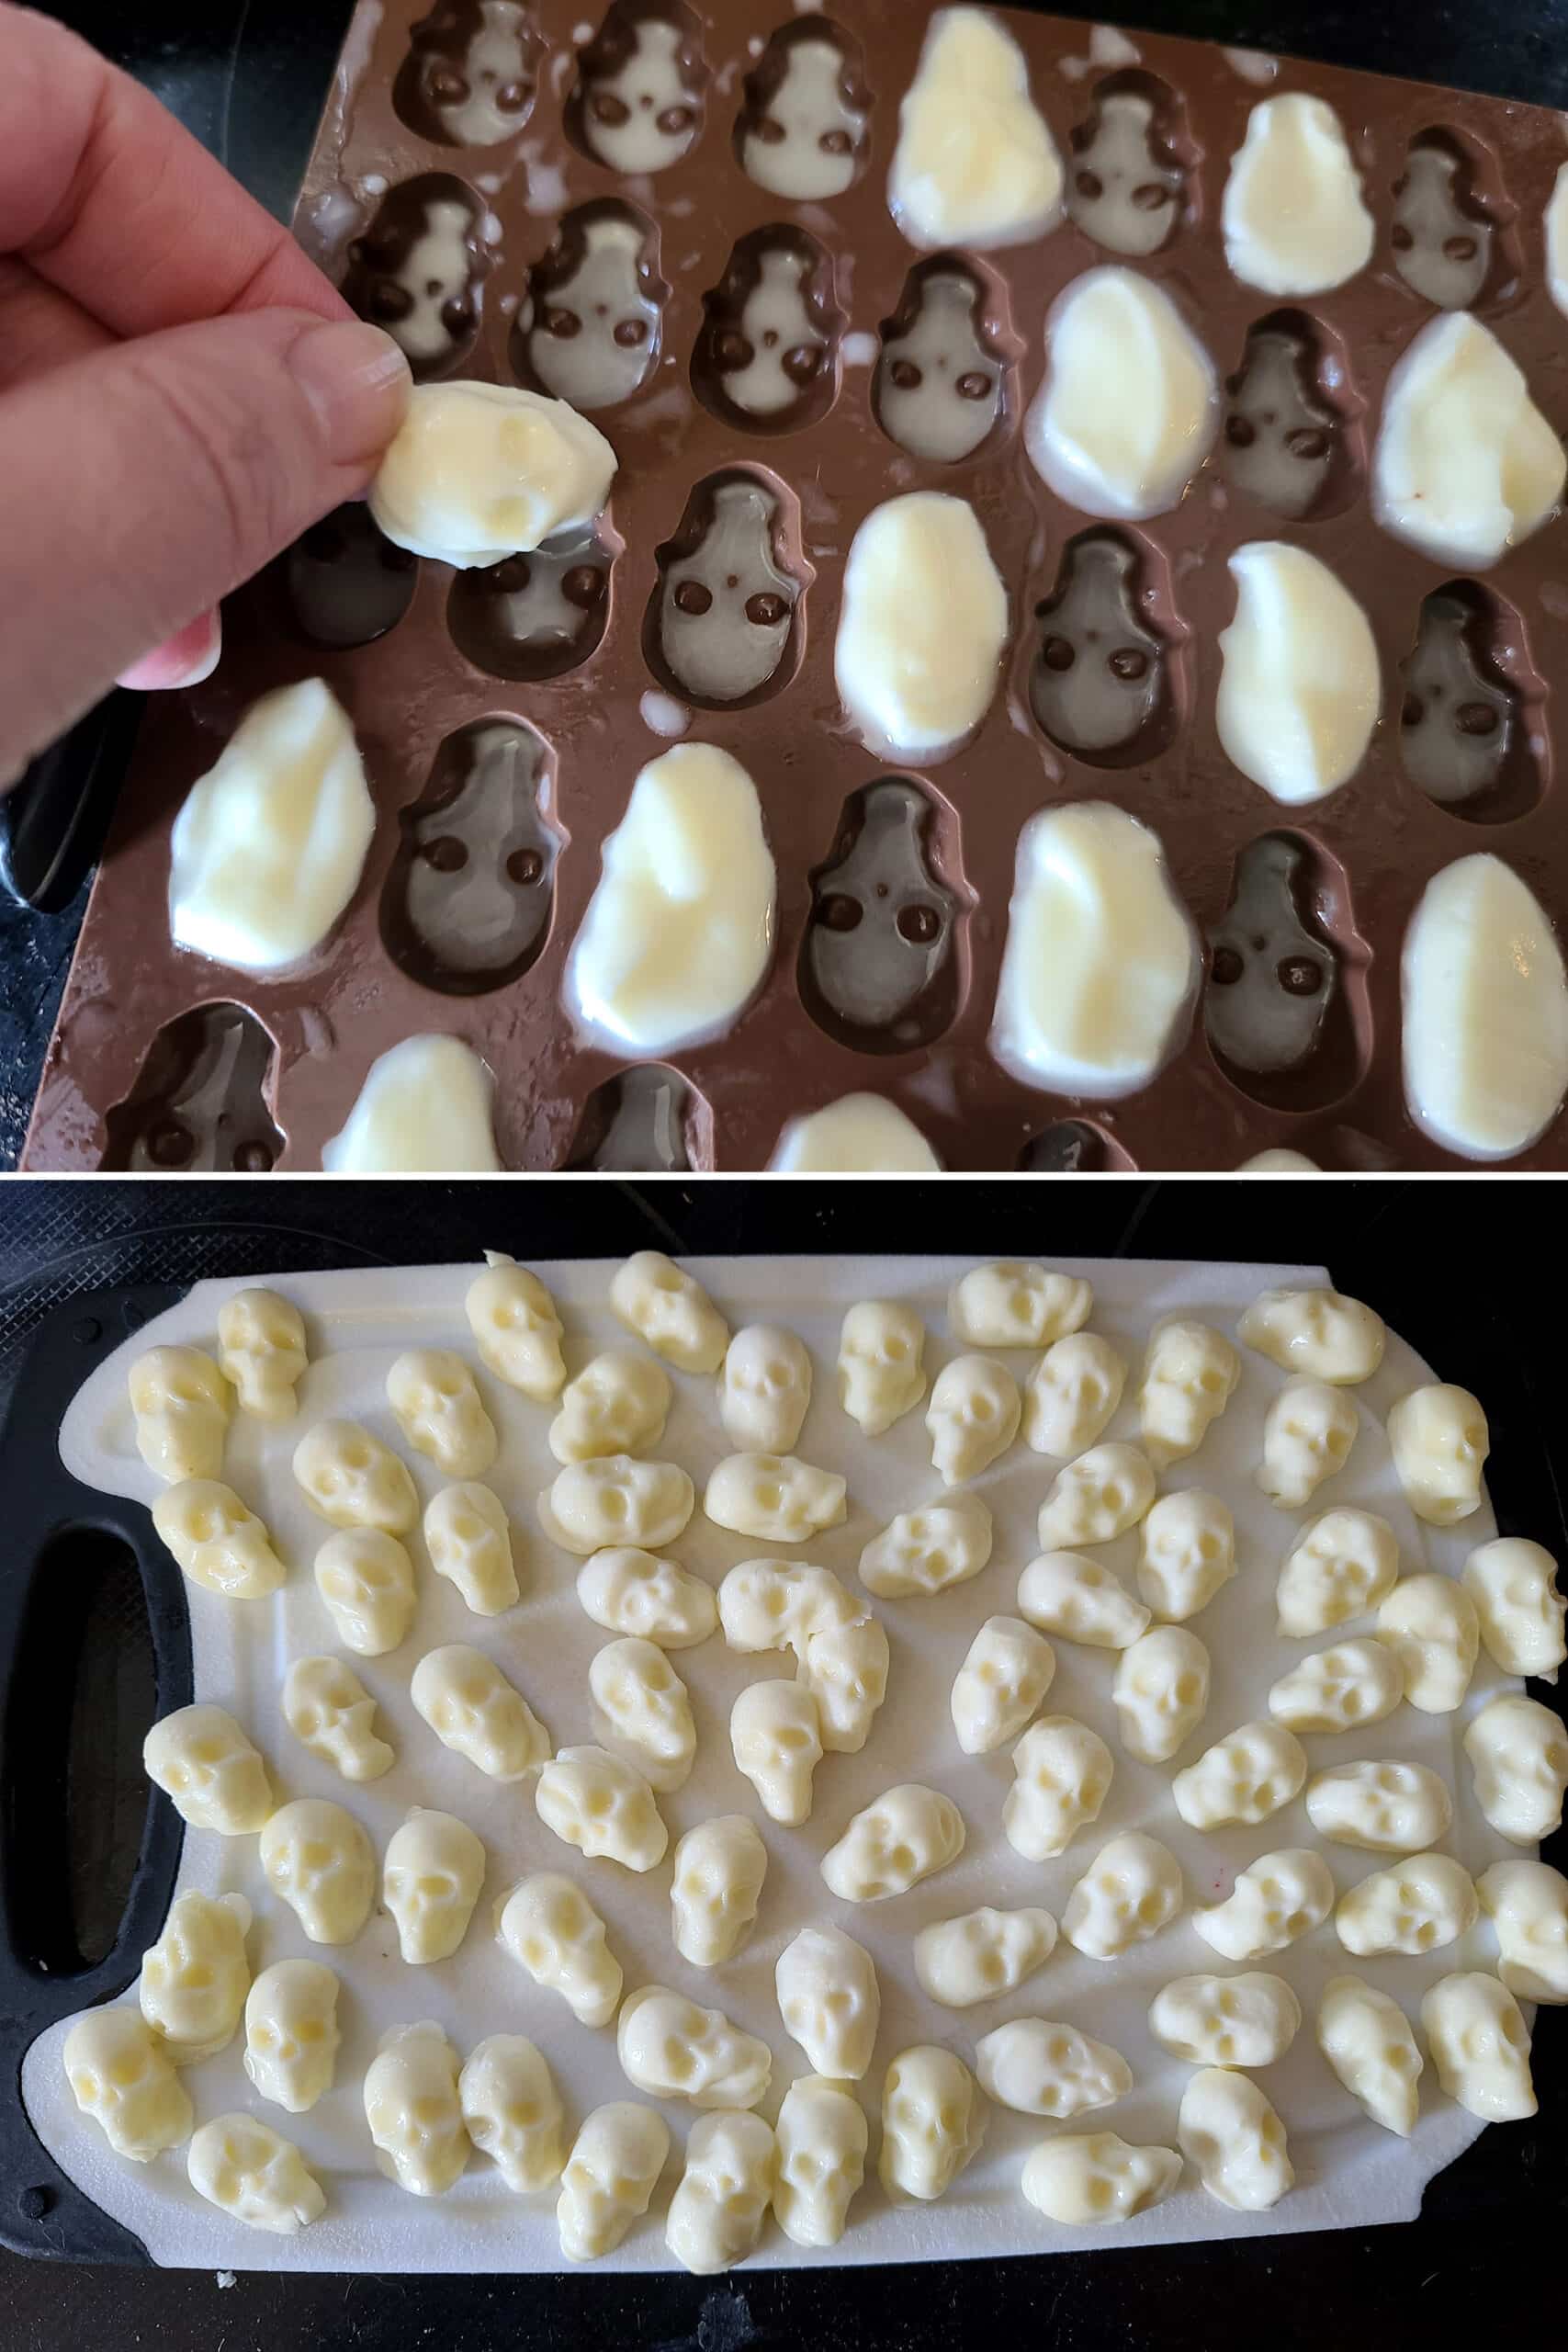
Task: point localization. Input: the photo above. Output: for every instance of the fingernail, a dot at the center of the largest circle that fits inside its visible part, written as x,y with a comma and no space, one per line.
358,382
183,659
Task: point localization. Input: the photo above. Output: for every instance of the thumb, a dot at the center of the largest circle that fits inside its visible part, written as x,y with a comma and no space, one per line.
142,484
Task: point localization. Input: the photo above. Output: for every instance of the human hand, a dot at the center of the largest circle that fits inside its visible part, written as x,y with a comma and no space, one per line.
181,390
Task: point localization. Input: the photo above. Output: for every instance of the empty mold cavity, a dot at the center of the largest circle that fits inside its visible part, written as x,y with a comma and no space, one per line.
349,585
801,131
1470,734
587,331
471,73
1285,1003
1453,236
198,1105
724,622
467,905
1132,164
880,964
1103,684
947,372
1072,1147
1292,439
419,269
536,616
767,355
637,103
647,1120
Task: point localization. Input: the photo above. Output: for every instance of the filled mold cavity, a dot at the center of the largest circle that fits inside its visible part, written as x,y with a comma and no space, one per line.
1130,176
947,374
589,327
471,73
725,620
536,616
1285,1003
637,103
467,905
1105,682
647,1120
1470,730
346,584
419,269
1452,234
1072,1147
1292,438
881,963
767,355
198,1105
801,131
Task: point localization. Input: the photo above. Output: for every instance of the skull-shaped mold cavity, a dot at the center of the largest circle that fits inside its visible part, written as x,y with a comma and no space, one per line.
1307,1436
550,1928
1319,1332
973,1415
1096,2177
775,1735
1097,1498
634,1592
199,1102
436,1402
1470,725
1418,1906
512,2111
1105,682
431,1878
881,963
347,585
602,1804
1366,2038
610,2177
780,1604
478,1714
122,2074
1283,1000
366,1581
1230,2133
470,74
1337,1688
904,1835
1190,1376
1517,1605
718,1884
641,1711
1161,1692
328,1708
724,624
536,616
1276,1900
671,2049
292,2033
351,1480
1431,1624
801,131
467,905
413,2111
1072,1147
1385,1806
468,1537
1009,1305
1340,1567
1005,1677
638,105
881,1343
516,1328
260,1347
845,1669
764,1389
219,1544
181,1404
1452,235
670,1312
776,1498
932,2122
617,1404
318,1859
614,1499
1518,1757
925,1551
1130,1889
195,1978
418,271
829,2001
721,2199
1186,1554
206,1766
1076,1597
1227,2020
588,330
1528,1905
1062,1774
1251,1773
766,359
1071,1394
948,371
1481,2047
646,1119
1292,439
252,2173
821,2139
1132,158
1440,1440
982,1953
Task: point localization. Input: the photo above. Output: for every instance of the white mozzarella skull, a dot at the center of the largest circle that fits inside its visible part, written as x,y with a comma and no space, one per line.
1518,1761
202,1759
512,2111
195,1978
1418,1906
413,2110
366,1579
1015,1306
1096,2178
781,1605
821,2139
1071,1394
1341,1567
830,2000
904,1835
669,1311
318,1858
881,1343
351,1480
616,1500
1528,1905
1225,2020
602,1805
122,2074
1186,1554
610,2178
1062,1774
927,1549
1251,1773
617,1404
1384,1808
516,1328
1517,1605
845,1669
1232,2137
252,2174
431,1876
671,2049
468,1537
722,2197
1366,2038
1440,1440
775,1737
328,1708
219,1543
932,2122
1307,1436
1431,1624
476,1712
1038,2066
1067,1594
436,1401
973,1417
261,1347
1161,1692
982,1953
651,1599
718,1884
1276,1900
1481,2047
764,1389
291,2034
1334,1689
1190,1376
641,1711
1097,1498
1320,1334
774,1498
181,1404
1002,1681
1130,1889
552,1931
